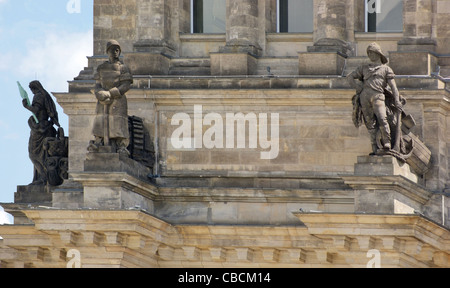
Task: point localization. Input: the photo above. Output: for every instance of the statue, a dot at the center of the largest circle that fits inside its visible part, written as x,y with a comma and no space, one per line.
372,82
379,105
47,147
111,122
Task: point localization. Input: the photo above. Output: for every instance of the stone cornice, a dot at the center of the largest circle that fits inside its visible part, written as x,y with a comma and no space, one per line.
107,238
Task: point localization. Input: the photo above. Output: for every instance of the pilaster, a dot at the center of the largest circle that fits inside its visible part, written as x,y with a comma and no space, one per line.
330,48
238,56
418,26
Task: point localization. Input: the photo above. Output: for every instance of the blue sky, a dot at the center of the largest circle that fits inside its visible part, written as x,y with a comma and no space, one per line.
47,40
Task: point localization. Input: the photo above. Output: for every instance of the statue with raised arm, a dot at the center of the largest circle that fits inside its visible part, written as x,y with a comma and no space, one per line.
378,103
45,116
113,80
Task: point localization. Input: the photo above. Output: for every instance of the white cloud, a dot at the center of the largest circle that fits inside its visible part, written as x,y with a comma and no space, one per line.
56,59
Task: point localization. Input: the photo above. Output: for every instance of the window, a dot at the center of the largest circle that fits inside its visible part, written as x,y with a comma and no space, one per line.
295,16
208,16
384,15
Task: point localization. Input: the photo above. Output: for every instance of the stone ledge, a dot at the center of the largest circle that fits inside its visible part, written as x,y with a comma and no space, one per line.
376,225
256,82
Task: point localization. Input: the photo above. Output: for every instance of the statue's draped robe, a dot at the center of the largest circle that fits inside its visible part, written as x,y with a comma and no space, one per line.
39,132
113,75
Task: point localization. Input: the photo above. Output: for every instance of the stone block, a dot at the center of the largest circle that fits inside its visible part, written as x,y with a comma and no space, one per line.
232,64
68,196
383,166
114,196
413,63
321,63
114,162
33,194
146,63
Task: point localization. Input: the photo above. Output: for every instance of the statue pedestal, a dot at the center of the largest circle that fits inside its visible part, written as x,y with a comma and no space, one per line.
382,184
383,166
113,181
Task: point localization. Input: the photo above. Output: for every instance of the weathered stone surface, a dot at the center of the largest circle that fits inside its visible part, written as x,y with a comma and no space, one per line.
327,240
313,205
147,63
424,63
33,194
383,165
321,63
232,64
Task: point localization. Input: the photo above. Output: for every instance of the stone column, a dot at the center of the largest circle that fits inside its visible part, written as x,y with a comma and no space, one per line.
419,40
330,26
435,136
114,20
242,27
154,40
418,26
237,57
327,55
153,27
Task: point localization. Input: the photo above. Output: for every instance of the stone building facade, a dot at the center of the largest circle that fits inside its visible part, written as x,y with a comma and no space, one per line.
257,161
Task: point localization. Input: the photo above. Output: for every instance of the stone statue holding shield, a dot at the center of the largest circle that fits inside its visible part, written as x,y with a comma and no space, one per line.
113,80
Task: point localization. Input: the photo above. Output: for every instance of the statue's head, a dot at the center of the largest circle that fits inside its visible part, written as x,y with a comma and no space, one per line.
375,48
35,86
113,44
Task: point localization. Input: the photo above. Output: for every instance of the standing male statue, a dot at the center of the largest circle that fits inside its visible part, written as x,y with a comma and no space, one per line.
377,102
111,122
